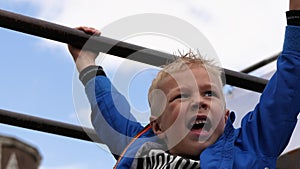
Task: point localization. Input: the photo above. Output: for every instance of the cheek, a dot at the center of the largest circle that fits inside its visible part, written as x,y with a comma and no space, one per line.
218,112
168,118
158,100
174,113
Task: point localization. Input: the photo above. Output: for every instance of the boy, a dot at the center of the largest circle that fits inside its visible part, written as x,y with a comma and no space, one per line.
190,126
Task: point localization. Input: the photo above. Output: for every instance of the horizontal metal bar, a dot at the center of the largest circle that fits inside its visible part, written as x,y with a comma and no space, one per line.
103,44
261,63
49,126
245,81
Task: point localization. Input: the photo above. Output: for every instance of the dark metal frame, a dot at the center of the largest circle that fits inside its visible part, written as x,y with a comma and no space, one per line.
261,63
48,126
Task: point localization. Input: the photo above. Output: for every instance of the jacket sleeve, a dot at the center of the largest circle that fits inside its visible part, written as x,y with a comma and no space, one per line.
268,128
111,116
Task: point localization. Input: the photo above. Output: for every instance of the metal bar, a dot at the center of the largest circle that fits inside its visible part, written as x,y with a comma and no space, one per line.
261,63
245,81
49,126
103,44
79,39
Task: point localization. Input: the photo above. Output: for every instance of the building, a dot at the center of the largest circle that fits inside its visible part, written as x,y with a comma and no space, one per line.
15,154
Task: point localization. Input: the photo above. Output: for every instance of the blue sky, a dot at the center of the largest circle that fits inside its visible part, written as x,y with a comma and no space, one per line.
38,81
38,77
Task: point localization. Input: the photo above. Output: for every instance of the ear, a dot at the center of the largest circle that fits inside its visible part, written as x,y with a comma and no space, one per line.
155,125
227,112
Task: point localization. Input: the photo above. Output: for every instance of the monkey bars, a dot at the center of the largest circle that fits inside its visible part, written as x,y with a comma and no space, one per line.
78,39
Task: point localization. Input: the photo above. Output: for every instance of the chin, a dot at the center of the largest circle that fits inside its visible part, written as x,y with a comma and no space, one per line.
193,155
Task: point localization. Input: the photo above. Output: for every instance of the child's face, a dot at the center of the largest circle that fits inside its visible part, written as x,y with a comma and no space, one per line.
195,115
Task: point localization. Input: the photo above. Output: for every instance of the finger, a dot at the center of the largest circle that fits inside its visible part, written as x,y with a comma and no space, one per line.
89,30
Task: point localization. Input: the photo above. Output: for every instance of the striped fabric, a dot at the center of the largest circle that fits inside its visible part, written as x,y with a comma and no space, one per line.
158,159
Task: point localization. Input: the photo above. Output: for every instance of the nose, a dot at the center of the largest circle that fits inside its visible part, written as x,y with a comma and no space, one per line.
199,103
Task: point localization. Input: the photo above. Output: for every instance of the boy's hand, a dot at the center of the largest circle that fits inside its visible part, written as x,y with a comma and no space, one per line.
84,58
294,4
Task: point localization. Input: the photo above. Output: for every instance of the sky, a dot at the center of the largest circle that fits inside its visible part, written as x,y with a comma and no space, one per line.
39,77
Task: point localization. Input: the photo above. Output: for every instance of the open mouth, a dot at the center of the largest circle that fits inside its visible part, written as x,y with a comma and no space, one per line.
201,123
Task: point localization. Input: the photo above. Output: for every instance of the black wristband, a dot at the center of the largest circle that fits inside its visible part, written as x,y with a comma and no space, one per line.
90,72
293,17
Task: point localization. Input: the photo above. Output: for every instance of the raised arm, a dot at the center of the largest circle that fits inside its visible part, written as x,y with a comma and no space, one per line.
269,127
111,115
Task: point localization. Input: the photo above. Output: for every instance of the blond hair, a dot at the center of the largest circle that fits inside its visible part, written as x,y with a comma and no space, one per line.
183,62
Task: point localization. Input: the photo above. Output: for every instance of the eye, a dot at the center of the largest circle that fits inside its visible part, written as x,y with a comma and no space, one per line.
210,94
180,96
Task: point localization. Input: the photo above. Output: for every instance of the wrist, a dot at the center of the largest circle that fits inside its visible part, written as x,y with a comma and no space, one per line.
293,17
85,59
90,72
82,65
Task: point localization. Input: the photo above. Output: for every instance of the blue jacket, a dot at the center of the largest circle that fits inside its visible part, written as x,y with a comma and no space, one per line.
263,135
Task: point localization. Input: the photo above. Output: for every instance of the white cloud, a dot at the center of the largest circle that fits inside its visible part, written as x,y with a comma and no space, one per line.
242,32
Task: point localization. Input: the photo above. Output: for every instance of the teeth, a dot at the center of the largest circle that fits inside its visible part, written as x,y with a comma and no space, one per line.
200,122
